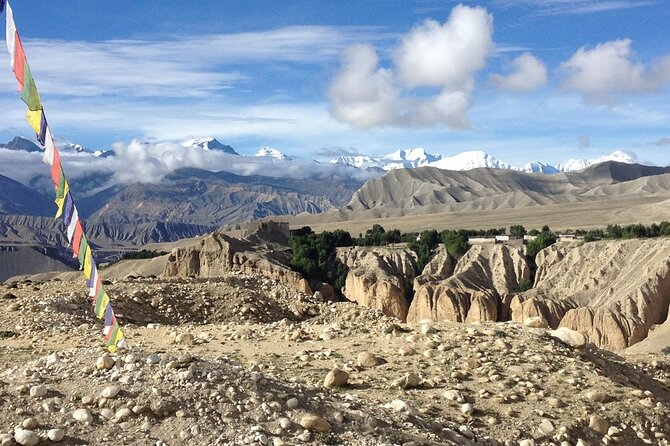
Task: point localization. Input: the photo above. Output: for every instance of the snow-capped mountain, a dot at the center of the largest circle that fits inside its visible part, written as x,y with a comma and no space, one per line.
573,165
399,159
274,154
359,161
409,158
538,167
208,144
470,160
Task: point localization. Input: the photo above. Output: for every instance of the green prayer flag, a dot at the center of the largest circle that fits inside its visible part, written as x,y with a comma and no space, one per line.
30,95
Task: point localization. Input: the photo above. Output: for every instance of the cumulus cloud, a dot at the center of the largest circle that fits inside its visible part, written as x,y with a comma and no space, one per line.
527,73
441,57
604,72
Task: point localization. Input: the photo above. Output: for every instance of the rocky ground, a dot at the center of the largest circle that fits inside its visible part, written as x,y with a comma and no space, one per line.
244,360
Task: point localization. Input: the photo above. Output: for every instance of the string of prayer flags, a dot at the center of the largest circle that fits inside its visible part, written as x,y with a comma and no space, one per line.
66,207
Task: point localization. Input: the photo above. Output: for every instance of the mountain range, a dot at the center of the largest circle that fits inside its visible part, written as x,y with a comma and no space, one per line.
475,159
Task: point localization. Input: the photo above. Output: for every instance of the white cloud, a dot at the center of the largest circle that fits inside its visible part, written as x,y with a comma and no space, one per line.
606,71
446,55
575,7
442,57
363,94
527,73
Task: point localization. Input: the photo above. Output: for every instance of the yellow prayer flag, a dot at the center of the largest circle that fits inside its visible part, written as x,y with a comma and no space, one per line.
35,119
114,342
87,264
100,313
60,200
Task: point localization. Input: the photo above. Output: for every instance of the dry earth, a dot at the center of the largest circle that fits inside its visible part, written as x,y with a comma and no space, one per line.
241,359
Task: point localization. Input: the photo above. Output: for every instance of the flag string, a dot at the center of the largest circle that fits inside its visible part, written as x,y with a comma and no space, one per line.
76,237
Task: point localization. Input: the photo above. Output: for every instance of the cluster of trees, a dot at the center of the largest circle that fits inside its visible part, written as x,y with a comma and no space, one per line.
314,255
626,232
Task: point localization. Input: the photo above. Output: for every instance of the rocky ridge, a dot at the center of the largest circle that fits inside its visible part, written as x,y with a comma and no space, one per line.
251,371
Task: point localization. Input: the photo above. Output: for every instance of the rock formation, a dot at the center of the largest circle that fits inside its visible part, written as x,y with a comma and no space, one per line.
483,282
217,254
379,277
611,291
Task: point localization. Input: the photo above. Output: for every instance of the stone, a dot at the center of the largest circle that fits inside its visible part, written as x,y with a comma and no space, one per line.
335,378
569,337
83,416
105,362
30,423
110,392
26,437
467,409
56,435
599,424
367,359
546,427
598,396
314,422
408,381
454,395
292,403
123,414
285,423
184,339
536,322
38,391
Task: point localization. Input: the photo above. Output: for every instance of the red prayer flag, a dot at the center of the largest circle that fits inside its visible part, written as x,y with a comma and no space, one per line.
19,62
76,240
56,169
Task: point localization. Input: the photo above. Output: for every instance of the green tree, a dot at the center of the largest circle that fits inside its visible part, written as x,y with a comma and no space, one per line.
517,231
542,241
455,243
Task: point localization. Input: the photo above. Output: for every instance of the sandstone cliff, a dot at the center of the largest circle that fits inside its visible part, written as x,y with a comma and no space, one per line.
611,291
483,282
379,277
219,253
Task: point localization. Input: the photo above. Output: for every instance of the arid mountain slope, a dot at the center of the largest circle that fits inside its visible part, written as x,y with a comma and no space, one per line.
611,291
408,190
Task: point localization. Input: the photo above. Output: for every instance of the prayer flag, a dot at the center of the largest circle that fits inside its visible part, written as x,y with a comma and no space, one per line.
101,304
87,264
19,61
76,239
116,341
49,146
10,35
96,284
83,246
56,168
63,189
74,220
34,118
110,320
30,95
2,5
99,293
68,209
42,134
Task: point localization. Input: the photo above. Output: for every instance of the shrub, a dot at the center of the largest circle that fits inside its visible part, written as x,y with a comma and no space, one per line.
455,243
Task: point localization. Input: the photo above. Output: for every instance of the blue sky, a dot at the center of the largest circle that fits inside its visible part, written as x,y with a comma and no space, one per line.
523,80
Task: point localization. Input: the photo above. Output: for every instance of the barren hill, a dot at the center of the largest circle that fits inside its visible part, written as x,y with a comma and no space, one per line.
426,197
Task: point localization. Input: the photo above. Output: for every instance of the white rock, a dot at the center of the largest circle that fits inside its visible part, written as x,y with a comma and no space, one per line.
123,414
83,416
38,391
467,409
105,362
536,322
292,403
454,395
26,437
56,435
110,391
570,337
